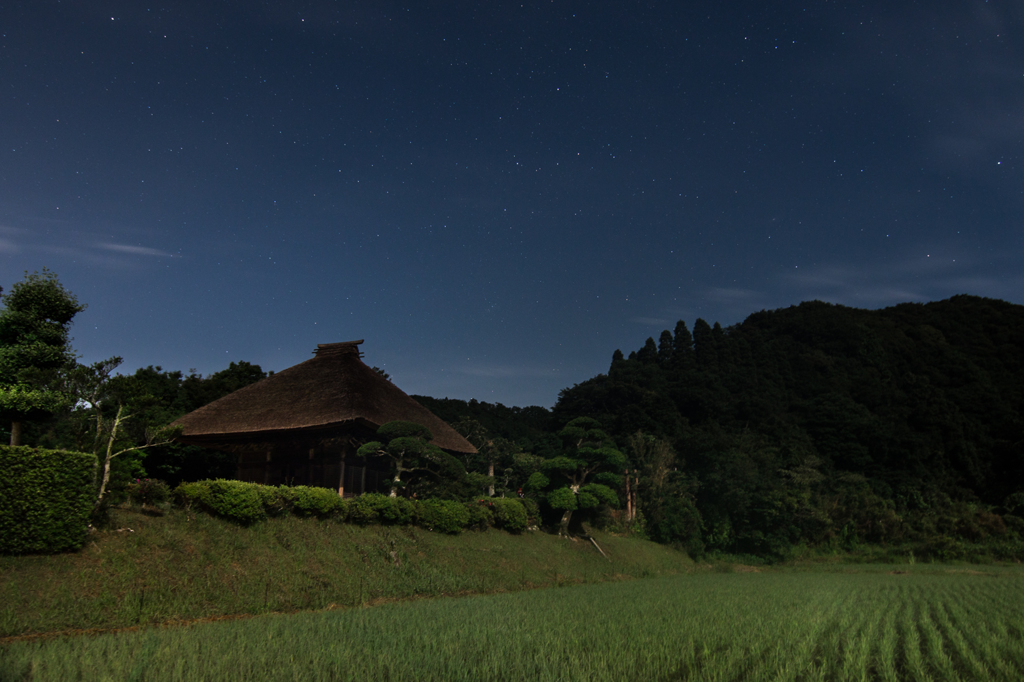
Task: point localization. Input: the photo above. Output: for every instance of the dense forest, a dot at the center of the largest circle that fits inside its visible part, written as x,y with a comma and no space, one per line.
820,425
815,426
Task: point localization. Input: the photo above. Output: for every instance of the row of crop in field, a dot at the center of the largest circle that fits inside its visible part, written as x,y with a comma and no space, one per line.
709,626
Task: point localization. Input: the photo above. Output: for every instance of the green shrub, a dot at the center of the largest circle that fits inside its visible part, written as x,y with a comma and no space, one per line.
1014,524
676,521
320,502
238,501
377,508
481,515
274,499
191,494
532,511
150,491
398,511
509,514
46,497
248,503
443,516
942,548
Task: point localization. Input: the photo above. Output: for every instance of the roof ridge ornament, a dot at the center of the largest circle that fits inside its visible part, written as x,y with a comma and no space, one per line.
342,347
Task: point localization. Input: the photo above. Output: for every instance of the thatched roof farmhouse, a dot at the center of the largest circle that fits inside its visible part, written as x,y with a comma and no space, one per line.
302,425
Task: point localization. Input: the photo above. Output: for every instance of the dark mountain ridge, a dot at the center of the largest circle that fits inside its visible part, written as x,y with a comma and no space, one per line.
916,406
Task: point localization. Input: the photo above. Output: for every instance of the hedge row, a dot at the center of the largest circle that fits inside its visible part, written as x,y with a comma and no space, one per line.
248,503
46,497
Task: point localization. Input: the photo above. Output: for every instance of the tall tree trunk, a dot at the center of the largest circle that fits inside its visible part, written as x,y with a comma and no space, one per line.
636,487
563,525
106,460
394,483
629,500
15,433
490,472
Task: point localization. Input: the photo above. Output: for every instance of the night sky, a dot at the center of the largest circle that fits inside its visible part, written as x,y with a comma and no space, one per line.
496,196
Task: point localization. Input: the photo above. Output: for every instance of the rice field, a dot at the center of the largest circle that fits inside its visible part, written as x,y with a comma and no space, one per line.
842,625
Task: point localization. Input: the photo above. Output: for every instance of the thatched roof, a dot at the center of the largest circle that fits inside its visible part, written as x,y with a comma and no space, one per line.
332,389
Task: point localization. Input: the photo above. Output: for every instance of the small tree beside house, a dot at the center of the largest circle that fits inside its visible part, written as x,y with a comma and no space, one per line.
583,476
412,455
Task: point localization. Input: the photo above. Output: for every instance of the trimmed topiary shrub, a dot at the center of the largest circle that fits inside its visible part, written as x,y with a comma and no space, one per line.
378,508
481,516
275,499
46,497
320,502
398,511
443,516
248,503
365,509
237,501
509,514
192,494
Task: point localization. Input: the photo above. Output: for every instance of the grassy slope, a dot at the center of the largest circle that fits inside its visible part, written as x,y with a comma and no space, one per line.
184,567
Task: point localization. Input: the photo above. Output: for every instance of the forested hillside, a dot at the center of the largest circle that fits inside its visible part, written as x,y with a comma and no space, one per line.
815,425
821,423
528,427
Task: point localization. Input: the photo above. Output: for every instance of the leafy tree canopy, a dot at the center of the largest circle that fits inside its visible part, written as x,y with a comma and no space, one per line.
34,322
413,457
585,475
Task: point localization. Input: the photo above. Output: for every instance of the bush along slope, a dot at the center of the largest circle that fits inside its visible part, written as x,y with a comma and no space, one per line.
249,503
46,497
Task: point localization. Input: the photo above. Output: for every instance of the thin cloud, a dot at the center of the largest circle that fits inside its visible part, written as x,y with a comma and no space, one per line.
911,279
135,250
57,243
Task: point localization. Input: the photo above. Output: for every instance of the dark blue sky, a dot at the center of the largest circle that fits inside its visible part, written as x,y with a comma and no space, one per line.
496,196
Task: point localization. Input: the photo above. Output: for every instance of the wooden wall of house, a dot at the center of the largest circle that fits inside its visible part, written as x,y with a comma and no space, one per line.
277,468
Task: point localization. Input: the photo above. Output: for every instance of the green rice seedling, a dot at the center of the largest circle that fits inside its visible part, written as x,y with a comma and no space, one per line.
703,626
886,648
854,639
994,639
939,660
968,662
910,640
